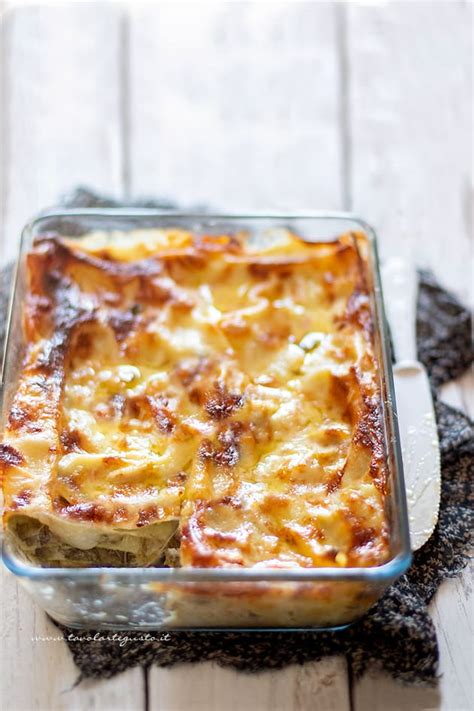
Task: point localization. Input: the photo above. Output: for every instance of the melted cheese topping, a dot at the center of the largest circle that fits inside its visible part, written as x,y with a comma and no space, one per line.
201,382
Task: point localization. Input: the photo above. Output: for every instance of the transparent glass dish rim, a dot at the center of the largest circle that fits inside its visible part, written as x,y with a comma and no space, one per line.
141,217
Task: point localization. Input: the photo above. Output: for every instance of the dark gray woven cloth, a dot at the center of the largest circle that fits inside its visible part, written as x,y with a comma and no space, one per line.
397,635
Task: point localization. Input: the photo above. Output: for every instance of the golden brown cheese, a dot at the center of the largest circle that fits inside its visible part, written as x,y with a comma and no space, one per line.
177,380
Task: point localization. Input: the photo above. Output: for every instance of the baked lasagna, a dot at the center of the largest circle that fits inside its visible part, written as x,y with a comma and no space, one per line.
199,400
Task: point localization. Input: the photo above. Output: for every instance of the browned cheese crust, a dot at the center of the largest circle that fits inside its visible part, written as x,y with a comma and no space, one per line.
229,391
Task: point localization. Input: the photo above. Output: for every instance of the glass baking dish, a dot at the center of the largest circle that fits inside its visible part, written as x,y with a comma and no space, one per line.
184,598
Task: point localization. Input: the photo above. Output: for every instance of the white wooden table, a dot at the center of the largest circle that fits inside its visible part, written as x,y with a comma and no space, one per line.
319,105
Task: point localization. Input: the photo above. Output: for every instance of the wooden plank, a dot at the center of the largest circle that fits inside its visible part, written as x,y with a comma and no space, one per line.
61,107
452,614
3,185
37,670
410,125
452,606
62,92
376,693
410,133
211,688
237,105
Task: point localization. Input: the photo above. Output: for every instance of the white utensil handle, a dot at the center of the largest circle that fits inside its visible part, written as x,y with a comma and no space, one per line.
400,289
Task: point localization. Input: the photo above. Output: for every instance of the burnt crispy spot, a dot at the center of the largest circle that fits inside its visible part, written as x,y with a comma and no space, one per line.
113,408
369,429
22,499
232,501
50,286
358,312
24,417
226,452
190,370
18,417
221,403
84,511
68,313
133,406
50,360
265,267
197,396
122,322
120,514
362,537
52,281
365,413
10,456
70,309
158,406
71,440
178,480
119,271
83,346
147,516
334,481
164,418
369,434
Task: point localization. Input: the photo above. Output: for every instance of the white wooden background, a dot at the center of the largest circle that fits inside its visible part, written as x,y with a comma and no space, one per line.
362,106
